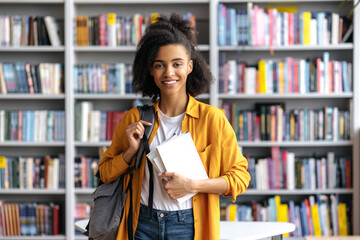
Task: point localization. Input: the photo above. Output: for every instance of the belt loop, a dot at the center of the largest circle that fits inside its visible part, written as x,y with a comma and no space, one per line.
180,215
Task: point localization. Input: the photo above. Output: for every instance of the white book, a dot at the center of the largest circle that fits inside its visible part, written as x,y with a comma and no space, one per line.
111,24
335,28
29,173
53,30
55,176
86,107
290,170
179,154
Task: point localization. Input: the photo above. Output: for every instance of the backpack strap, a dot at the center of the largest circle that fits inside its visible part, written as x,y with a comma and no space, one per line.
147,113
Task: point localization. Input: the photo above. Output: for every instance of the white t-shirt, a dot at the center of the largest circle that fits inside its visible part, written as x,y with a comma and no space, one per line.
161,201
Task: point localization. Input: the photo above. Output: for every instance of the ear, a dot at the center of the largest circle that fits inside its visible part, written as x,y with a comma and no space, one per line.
190,66
151,71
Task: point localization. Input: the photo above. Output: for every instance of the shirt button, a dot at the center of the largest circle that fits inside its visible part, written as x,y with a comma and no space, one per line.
162,215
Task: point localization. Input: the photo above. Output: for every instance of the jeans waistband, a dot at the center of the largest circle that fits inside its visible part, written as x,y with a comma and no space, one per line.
180,214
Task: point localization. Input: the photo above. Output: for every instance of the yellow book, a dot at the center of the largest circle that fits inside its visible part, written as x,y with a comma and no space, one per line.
281,77
343,231
154,17
288,9
316,220
277,204
3,173
262,76
283,215
306,27
231,212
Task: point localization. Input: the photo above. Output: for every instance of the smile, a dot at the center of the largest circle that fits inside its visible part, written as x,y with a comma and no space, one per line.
170,82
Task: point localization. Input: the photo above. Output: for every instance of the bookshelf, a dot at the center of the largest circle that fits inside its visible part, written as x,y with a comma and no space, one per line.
206,12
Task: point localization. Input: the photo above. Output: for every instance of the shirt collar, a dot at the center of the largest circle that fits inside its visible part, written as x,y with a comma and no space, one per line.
192,108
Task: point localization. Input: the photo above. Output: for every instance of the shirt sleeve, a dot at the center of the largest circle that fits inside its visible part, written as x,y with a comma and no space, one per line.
112,164
234,164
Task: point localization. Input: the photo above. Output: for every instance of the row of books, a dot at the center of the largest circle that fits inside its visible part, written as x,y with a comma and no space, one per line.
85,169
82,211
114,30
95,125
30,31
103,78
32,172
319,215
24,77
270,122
32,125
29,219
288,75
256,26
284,170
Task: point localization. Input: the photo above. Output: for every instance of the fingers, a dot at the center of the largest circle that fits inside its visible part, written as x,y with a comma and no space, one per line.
146,123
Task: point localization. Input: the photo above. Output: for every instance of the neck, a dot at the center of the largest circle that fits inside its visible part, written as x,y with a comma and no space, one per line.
172,106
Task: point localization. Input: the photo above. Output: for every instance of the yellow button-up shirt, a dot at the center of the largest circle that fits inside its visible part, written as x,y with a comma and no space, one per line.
216,143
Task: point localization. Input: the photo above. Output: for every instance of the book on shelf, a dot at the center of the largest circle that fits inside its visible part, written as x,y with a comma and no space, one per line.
177,154
277,26
111,29
317,215
288,75
33,172
285,170
29,219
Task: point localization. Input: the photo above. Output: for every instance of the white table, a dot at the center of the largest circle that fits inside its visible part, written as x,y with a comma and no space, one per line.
237,230
254,230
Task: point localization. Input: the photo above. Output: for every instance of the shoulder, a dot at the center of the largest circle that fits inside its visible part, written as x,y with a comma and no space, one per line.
211,113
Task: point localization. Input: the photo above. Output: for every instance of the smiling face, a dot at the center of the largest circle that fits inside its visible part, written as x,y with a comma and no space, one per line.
170,69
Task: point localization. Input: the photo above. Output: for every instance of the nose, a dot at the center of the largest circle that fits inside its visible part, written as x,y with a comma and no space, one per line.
169,71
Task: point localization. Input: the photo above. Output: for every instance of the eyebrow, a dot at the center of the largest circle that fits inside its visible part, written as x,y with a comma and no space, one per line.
175,59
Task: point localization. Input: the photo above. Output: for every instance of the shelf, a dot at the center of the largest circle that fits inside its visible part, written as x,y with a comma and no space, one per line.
33,191
46,237
32,49
139,1
31,144
343,46
277,1
120,48
285,96
297,192
296,144
24,96
92,144
84,191
33,1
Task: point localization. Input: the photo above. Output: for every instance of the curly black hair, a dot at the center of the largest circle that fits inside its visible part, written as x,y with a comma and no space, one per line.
165,31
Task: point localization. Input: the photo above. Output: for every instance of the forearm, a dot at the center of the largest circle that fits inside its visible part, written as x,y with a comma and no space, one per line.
215,185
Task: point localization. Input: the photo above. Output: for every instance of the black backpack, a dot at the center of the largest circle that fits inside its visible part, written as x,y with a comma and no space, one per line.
109,198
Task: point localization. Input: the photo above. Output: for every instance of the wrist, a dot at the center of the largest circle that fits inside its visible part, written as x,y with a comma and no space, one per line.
128,155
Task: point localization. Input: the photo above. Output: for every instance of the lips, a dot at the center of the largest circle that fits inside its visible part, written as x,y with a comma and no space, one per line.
170,82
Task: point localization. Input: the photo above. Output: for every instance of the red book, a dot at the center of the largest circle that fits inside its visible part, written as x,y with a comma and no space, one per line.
320,74
308,217
284,160
291,28
289,73
109,126
55,220
275,157
296,76
102,30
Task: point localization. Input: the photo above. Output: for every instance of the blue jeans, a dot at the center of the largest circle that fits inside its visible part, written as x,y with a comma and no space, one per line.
165,225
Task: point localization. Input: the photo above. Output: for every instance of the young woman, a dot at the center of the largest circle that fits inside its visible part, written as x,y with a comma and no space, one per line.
169,69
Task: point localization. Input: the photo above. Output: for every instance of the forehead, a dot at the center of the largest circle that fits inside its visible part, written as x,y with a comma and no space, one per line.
172,51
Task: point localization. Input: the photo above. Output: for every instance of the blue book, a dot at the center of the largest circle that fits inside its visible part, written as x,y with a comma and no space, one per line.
303,219
292,215
320,17
273,211
326,71
233,28
307,76
222,24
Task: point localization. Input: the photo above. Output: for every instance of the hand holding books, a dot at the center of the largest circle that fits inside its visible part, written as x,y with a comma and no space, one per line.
178,154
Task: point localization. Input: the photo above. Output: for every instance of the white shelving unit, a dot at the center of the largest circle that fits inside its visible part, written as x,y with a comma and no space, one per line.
206,13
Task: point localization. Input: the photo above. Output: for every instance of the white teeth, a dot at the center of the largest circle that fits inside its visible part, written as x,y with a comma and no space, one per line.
170,82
